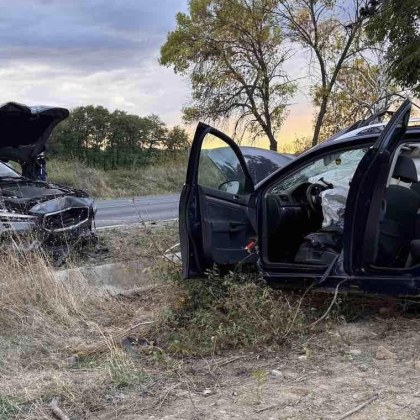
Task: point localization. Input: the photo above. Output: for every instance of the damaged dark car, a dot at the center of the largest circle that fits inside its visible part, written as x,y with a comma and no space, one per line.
343,215
36,214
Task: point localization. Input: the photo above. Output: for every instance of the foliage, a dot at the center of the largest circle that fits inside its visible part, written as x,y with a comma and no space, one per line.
114,139
233,51
397,23
228,311
331,34
361,90
177,139
297,146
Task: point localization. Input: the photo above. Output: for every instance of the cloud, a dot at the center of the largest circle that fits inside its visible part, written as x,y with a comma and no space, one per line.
78,52
79,33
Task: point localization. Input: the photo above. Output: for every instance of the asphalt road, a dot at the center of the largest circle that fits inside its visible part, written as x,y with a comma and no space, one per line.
127,211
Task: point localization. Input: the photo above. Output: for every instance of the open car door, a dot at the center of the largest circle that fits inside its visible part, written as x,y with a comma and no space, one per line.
214,211
366,203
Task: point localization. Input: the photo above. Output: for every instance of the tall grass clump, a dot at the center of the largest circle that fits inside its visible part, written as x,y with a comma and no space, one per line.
34,302
47,324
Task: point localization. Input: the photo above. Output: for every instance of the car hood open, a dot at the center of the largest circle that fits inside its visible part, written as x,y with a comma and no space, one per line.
25,130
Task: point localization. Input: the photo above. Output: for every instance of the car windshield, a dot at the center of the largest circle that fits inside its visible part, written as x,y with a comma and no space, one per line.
7,172
335,168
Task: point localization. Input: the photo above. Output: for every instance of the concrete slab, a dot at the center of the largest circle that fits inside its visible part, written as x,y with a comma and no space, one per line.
112,277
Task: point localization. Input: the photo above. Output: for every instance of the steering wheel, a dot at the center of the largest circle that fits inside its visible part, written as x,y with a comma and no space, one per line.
313,196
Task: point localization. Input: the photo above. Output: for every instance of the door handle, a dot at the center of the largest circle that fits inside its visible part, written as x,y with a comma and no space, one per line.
235,197
236,227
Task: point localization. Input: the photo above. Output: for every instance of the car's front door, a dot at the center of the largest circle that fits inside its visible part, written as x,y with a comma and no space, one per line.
215,212
365,202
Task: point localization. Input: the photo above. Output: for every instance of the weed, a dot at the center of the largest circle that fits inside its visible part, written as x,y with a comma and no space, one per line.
260,376
232,311
123,372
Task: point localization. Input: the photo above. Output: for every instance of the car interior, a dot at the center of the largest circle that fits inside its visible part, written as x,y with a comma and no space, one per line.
399,225
304,213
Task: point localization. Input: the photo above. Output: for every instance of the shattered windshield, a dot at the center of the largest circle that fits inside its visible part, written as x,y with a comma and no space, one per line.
7,172
335,168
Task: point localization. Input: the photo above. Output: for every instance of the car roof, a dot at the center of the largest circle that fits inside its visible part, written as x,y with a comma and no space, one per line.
359,137
276,157
260,162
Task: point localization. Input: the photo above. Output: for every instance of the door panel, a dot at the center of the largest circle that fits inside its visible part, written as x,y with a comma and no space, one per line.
214,216
227,230
365,200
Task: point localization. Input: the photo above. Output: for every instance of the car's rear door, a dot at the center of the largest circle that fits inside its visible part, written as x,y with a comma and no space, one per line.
215,209
365,202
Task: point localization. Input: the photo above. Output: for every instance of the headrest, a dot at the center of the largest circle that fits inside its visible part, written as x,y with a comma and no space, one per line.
405,170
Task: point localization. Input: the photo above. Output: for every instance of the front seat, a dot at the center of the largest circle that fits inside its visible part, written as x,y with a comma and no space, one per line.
397,228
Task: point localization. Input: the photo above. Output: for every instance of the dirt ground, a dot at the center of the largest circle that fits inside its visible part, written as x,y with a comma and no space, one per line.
338,370
362,366
340,367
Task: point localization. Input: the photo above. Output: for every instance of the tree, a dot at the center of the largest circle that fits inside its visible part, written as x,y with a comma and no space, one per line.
362,89
177,139
87,127
233,51
396,22
331,33
153,132
125,131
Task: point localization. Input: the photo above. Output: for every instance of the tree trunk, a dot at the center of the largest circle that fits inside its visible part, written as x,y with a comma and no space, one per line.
273,141
320,120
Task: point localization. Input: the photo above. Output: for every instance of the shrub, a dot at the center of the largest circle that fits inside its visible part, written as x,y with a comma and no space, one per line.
224,312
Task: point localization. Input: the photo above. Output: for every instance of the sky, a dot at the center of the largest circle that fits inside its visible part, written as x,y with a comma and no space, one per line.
104,52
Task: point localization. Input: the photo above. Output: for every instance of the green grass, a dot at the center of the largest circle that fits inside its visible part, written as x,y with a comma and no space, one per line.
227,312
162,178
8,408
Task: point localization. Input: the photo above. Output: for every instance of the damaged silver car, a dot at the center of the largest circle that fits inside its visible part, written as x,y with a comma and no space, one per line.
36,214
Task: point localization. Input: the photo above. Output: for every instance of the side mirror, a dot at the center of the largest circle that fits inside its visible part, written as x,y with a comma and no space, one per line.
230,187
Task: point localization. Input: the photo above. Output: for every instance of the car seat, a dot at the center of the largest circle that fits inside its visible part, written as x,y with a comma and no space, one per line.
397,228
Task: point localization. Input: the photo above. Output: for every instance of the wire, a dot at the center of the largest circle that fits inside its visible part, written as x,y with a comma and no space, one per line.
330,306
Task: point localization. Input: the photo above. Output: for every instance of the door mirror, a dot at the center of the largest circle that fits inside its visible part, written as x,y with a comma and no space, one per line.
220,168
230,187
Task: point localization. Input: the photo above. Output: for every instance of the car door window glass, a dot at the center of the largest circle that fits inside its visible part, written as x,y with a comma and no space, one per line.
219,167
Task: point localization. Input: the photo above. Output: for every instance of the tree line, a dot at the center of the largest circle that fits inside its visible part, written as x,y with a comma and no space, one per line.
357,56
115,139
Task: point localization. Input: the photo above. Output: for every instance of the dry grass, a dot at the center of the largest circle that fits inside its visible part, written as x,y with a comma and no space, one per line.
162,178
32,299
46,324
76,174
70,340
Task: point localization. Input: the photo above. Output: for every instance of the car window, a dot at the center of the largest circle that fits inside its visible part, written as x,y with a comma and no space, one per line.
335,168
6,171
219,167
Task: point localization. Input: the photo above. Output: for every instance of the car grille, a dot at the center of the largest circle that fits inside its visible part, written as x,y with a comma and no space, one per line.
66,219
